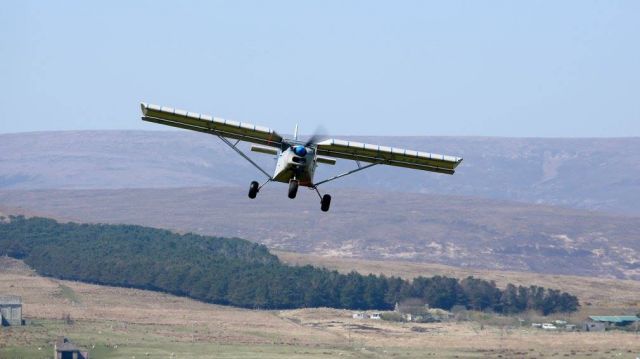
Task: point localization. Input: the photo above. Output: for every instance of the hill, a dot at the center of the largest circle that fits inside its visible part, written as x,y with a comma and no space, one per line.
595,174
472,233
240,273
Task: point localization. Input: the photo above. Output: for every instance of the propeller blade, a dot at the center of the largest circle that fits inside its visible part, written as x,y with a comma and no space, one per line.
318,134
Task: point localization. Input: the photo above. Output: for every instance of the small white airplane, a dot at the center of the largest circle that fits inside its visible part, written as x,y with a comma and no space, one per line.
297,160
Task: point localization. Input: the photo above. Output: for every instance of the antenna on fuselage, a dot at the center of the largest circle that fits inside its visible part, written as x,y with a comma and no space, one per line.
295,133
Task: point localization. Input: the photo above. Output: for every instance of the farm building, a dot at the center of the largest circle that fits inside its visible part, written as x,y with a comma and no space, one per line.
10,311
593,327
64,349
615,320
599,323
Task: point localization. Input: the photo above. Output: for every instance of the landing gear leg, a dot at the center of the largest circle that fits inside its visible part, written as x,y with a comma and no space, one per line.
293,188
253,189
325,202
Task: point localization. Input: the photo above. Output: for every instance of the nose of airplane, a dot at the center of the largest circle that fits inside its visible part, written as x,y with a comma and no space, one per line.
300,151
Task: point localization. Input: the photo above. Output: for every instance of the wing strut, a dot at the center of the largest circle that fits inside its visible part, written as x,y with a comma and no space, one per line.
233,146
360,168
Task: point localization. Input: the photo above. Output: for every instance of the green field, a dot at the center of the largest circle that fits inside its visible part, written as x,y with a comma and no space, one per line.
113,322
109,339
118,340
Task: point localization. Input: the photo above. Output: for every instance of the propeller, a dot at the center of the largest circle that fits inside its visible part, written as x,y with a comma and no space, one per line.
317,135
315,138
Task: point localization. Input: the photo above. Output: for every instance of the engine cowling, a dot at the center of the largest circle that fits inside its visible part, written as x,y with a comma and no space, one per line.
300,150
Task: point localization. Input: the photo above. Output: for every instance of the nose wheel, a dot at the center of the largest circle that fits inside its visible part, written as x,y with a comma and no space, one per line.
253,189
293,188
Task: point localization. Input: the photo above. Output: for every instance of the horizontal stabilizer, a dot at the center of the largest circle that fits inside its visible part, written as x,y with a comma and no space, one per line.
326,160
266,150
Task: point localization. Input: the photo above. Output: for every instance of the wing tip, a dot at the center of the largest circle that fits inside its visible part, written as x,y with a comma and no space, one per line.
143,107
457,162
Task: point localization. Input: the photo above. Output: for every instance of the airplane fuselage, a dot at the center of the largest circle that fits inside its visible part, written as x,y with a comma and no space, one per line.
296,163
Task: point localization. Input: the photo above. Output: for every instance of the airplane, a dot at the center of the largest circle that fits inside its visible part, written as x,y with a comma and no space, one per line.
297,160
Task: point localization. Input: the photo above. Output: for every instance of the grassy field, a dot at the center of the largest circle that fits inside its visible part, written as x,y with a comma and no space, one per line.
126,323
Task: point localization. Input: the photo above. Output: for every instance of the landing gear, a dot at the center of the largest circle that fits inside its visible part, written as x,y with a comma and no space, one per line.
293,188
253,189
325,202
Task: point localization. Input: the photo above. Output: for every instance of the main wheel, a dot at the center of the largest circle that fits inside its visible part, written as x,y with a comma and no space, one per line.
325,203
253,189
293,188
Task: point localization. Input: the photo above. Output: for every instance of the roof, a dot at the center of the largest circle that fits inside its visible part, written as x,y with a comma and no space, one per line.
64,345
614,318
10,300
67,347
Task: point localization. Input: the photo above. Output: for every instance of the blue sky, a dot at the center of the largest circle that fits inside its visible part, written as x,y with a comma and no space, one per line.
489,68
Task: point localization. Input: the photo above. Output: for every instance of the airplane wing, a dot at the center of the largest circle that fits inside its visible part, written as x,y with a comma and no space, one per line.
204,123
389,156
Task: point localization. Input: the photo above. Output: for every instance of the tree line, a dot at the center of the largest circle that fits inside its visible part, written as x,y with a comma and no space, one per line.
237,272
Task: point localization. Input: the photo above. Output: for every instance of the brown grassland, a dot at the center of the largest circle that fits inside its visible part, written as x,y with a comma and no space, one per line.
119,322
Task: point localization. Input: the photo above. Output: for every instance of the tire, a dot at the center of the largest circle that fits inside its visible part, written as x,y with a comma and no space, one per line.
293,189
325,203
253,189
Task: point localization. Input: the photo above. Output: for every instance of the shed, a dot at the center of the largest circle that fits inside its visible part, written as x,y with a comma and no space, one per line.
10,310
65,349
593,327
615,320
